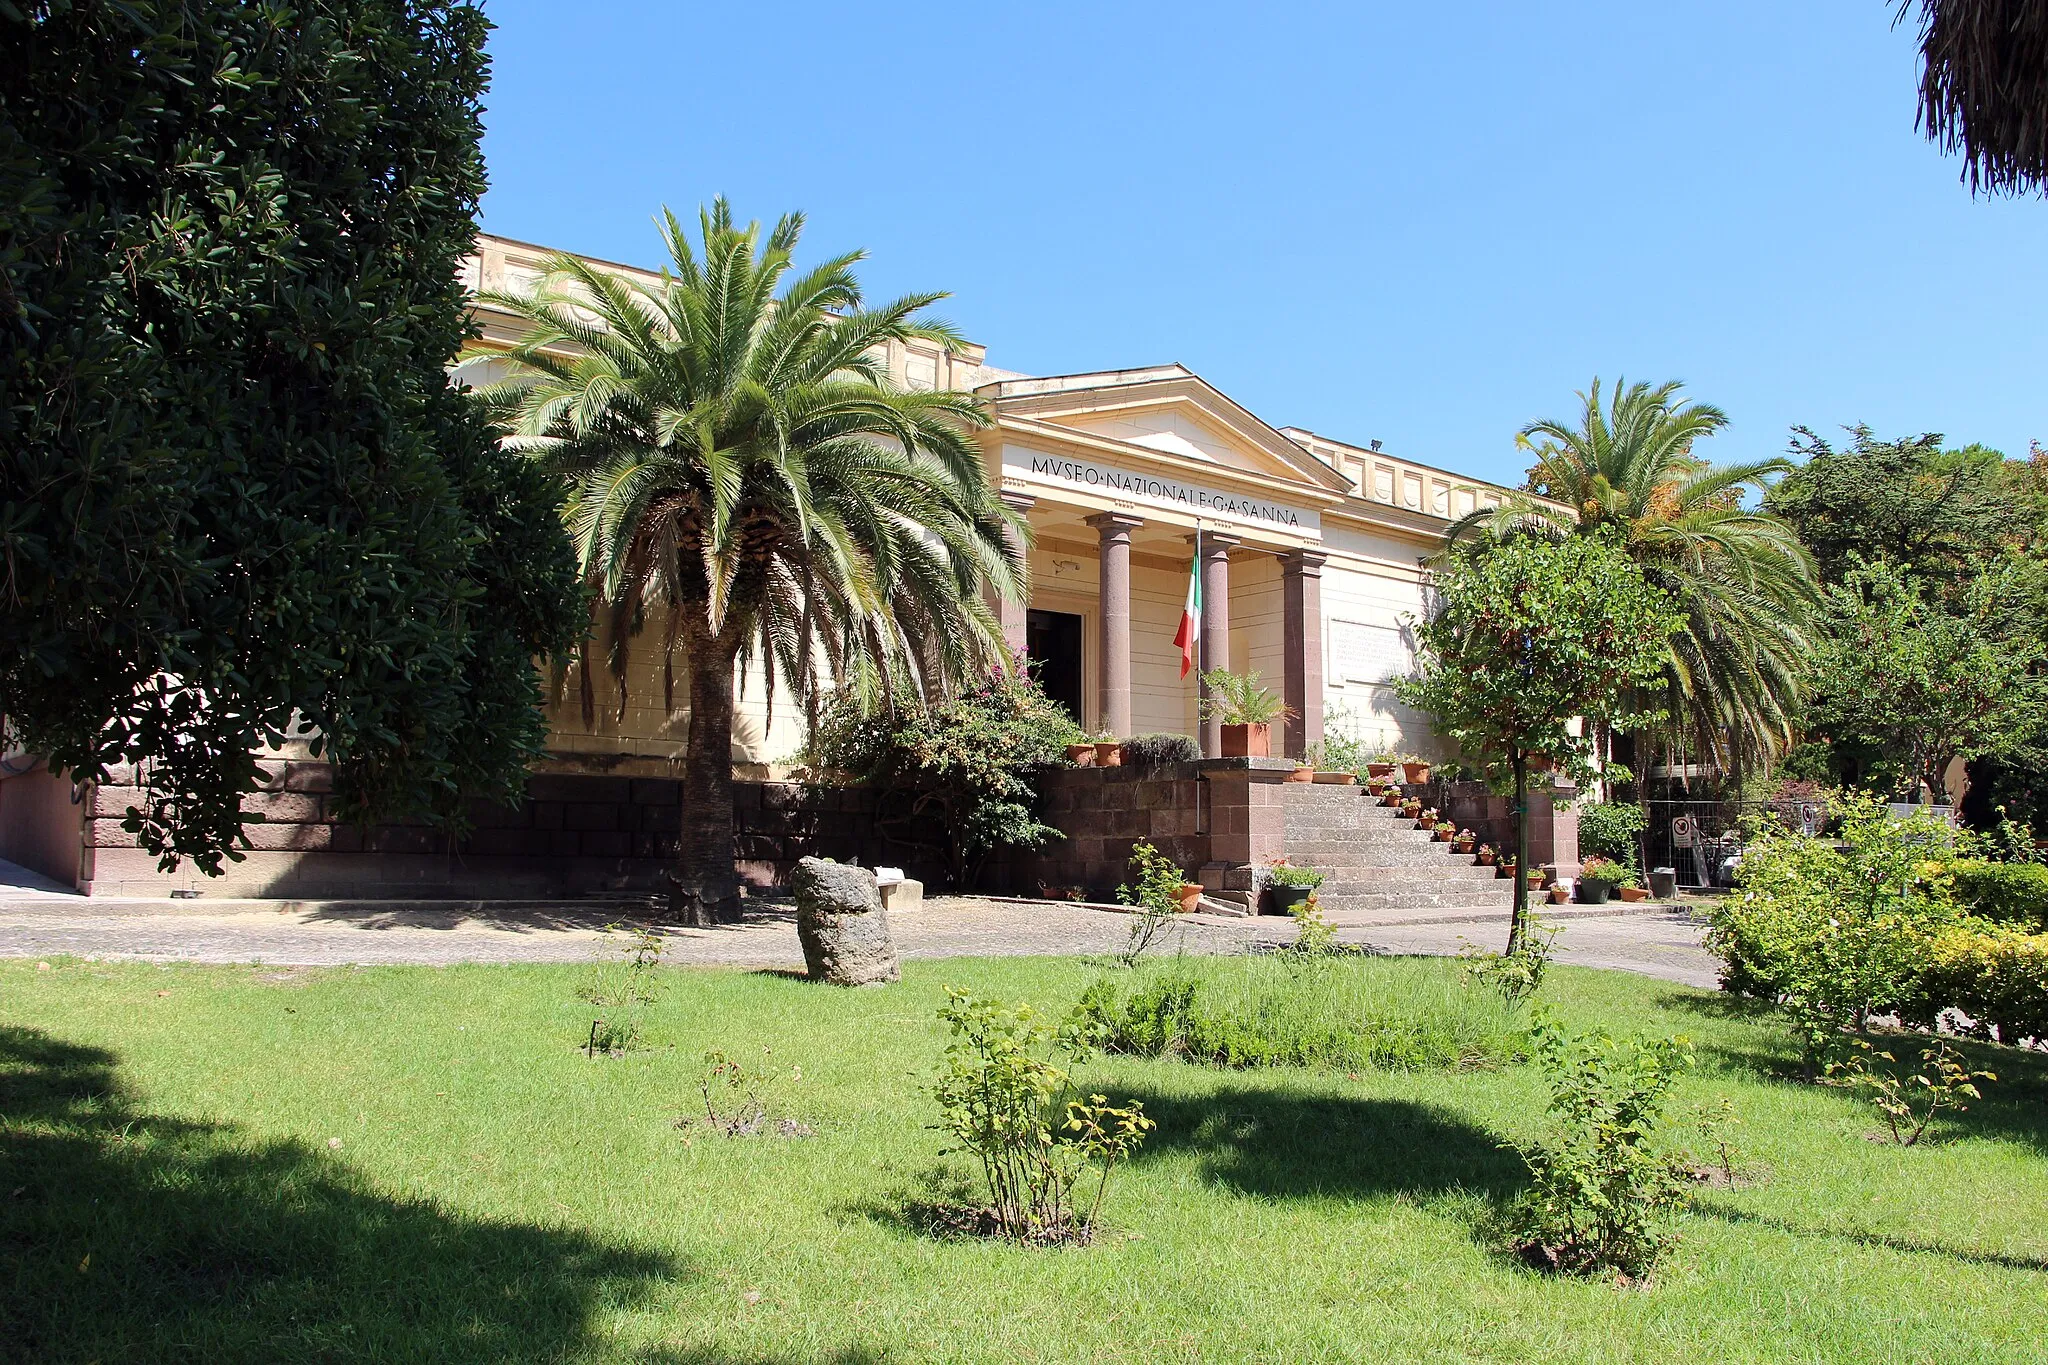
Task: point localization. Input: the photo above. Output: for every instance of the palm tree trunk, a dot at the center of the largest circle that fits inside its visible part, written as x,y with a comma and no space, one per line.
706,889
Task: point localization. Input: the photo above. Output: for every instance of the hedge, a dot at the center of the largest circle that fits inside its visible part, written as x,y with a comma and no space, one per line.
2007,893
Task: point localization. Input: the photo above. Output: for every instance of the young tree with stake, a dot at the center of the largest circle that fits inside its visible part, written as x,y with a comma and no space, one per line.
1526,636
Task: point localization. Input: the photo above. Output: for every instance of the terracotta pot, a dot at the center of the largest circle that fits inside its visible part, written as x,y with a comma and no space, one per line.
1246,741
1633,893
1110,755
1302,774
1440,836
1379,769
1337,779
1391,798
1483,860
1190,897
1081,755
1415,772
1461,845
1559,895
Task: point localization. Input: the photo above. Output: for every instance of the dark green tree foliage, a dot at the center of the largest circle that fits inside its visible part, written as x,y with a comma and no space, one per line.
1524,638
237,489
1935,513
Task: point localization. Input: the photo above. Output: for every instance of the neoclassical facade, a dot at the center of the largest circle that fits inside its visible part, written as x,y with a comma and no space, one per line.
1311,554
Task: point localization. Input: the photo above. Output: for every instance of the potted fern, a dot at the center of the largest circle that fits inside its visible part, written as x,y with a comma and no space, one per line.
1246,709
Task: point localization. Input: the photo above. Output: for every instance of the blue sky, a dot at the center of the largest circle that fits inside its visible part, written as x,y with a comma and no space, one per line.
1426,224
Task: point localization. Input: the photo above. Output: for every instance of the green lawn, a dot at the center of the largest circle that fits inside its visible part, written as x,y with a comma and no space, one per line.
170,1191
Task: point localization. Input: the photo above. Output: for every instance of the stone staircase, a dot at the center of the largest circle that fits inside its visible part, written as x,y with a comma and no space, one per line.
1379,868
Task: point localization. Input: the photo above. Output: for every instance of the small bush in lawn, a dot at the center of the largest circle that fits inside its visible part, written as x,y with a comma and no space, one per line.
1348,1012
1516,976
1153,892
738,1098
1046,1155
1599,1187
1911,1101
622,985
1314,937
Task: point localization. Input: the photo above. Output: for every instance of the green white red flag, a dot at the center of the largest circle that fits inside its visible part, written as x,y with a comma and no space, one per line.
1189,636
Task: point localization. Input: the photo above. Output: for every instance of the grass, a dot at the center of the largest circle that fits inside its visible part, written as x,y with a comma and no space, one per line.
170,1189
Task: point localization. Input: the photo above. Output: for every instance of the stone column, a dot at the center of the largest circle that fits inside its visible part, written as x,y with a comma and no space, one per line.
1012,613
1114,528
1301,614
1215,652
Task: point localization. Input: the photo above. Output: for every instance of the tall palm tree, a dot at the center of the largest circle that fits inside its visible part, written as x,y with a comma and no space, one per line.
1743,581
745,478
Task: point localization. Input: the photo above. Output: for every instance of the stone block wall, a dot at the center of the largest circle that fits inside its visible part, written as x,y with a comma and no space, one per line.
573,834
1102,812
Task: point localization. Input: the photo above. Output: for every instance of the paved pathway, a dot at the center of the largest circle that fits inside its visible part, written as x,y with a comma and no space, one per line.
39,922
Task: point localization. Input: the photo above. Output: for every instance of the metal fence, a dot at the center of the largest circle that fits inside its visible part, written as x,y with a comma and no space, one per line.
1701,840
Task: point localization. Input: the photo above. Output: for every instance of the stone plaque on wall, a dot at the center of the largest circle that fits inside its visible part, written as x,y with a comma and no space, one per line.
1368,654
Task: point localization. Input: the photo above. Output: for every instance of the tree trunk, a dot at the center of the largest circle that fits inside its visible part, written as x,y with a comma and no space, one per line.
1521,878
706,887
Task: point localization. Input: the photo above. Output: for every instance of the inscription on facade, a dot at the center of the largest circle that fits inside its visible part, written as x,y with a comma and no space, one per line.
1191,498
1368,654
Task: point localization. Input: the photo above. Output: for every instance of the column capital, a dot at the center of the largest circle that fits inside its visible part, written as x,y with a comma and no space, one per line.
1018,502
1218,542
1114,521
1303,561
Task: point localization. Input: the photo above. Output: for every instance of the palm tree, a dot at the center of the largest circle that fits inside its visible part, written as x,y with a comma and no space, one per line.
1741,578
745,477
1984,87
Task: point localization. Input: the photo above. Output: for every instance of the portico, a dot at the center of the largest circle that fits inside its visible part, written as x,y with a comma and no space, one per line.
1129,479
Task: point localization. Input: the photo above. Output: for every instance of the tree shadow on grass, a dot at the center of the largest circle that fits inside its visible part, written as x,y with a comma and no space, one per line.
2014,1107
1880,1240
131,1236
1263,1140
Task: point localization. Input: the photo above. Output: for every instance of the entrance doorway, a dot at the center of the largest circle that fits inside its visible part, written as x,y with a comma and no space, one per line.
1052,643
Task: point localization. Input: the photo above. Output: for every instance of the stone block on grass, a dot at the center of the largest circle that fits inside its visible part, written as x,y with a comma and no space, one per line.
841,924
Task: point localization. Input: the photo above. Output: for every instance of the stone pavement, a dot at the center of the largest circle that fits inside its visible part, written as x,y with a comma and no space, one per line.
40,922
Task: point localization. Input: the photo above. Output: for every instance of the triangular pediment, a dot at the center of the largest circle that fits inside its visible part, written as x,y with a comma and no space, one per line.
1166,409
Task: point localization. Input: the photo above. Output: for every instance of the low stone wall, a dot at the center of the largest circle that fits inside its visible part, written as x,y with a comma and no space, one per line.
574,834
1102,812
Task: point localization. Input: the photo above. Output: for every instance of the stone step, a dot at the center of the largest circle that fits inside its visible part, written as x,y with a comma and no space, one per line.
1366,878
1328,853
1365,902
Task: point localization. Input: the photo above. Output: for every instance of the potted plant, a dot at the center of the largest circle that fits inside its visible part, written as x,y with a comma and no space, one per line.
1484,856
1463,843
1631,886
1381,764
1411,807
1190,897
1108,753
1246,709
1505,867
1082,754
1537,876
1391,796
1415,767
1598,877
1288,886
1559,894
1304,770
1444,830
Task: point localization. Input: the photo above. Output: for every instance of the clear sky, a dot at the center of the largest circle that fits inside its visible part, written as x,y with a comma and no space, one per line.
1423,223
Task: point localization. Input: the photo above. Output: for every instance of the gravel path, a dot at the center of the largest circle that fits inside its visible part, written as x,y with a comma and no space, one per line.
38,924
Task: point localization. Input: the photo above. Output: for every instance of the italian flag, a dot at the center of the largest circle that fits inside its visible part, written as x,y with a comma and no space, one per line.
1189,636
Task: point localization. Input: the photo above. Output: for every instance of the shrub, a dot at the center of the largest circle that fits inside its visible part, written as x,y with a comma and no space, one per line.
1004,1100
1284,873
1839,933
737,1098
1599,869
1598,1186
960,766
1943,1081
2008,893
1347,1013
1153,892
622,985
1516,976
1611,830
1995,977
1158,750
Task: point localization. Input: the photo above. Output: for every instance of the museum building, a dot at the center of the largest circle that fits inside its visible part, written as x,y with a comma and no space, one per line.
1310,552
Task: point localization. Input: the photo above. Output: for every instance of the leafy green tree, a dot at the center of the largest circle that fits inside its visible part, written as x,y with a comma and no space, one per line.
955,773
1734,673
1526,638
1917,687
747,478
239,498
1937,514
